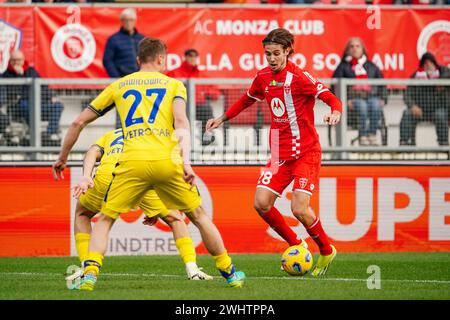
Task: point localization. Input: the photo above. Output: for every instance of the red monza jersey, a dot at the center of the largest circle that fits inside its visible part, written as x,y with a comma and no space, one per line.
291,95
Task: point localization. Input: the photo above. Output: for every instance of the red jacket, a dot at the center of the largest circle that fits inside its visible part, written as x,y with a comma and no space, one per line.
204,93
185,71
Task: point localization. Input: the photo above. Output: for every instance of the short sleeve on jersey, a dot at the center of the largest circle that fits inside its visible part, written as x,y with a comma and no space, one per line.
180,91
104,101
256,92
309,85
101,142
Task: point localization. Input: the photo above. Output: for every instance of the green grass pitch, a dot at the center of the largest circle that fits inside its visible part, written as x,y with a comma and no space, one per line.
403,276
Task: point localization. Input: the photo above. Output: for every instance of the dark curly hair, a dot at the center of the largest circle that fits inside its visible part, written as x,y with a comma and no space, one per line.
280,36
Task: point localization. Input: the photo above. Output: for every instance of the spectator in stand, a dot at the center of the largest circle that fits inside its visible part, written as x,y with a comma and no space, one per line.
17,99
204,93
119,58
366,100
426,103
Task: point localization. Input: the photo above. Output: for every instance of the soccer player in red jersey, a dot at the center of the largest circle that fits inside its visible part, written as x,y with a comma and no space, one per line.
295,149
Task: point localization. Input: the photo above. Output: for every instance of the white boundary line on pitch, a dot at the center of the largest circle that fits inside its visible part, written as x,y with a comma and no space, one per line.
155,275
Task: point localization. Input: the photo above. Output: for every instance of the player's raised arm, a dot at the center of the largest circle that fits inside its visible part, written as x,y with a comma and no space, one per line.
310,86
243,103
97,108
85,117
250,97
93,155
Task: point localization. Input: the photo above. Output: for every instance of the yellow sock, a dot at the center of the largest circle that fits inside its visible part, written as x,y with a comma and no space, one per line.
187,250
223,262
82,245
93,263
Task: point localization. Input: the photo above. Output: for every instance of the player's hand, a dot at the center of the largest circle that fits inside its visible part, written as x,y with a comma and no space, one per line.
82,187
55,99
332,118
189,175
416,111
150,221
350,104
58,168
214,123
19,69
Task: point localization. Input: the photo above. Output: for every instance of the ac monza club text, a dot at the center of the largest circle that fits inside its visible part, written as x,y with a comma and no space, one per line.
254,27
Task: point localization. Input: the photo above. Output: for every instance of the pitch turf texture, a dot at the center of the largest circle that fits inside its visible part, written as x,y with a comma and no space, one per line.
403,276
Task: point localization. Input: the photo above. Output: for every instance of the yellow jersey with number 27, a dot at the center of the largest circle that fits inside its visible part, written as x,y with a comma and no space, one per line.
144,103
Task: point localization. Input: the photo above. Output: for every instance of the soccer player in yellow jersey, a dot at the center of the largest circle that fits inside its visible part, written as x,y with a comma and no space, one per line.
91,192
152,109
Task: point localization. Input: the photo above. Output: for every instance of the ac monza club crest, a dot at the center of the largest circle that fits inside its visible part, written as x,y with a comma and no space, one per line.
278,107
435,38
73,47
10,40
287,89
303,182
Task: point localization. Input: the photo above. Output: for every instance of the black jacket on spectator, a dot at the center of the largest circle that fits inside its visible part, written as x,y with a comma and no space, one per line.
429,98
13,93
16,92
120,53
344,70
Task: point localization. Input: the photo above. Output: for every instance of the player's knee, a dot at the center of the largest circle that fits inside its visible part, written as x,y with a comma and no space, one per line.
300,212
169,220
105,220
196,215
173,217
84,213
262,206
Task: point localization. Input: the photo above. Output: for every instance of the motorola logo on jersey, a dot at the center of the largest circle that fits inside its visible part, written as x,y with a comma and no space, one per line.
277,107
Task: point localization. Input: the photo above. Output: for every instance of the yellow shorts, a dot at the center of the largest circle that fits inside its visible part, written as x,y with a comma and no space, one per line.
92,200
132,180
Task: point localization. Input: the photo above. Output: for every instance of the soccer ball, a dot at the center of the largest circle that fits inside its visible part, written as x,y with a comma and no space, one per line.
296,260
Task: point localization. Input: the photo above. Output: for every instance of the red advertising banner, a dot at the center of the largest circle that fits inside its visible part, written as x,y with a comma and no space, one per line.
70,41
34,212
16,32
362,209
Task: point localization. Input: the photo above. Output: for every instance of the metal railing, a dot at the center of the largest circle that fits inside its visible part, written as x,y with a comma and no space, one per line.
35,114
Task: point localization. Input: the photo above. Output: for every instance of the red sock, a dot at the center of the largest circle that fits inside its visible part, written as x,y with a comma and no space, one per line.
320,238
276,221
